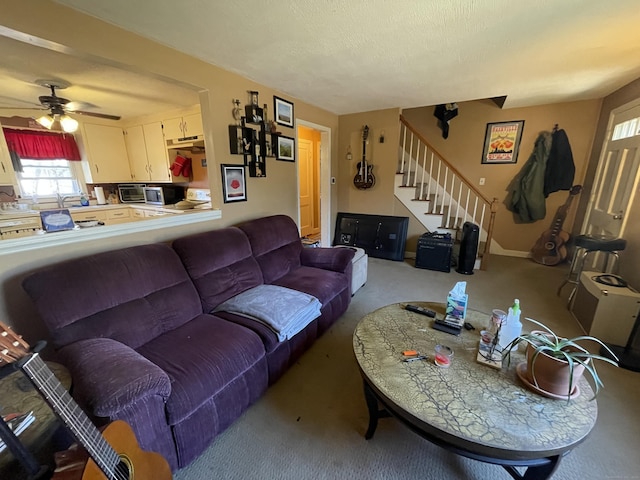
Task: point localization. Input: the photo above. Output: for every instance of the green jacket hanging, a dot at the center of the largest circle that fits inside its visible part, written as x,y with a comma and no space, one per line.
528,200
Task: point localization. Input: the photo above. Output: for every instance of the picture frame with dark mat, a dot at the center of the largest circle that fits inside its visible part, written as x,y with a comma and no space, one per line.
283,112
286,148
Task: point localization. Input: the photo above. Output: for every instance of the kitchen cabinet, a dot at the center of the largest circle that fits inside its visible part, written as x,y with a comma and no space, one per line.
137,213
88,216
148,157
121,215
183,126
6,169
106,154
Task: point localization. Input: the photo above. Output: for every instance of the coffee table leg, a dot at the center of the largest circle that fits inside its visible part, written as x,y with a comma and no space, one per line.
374,412
538,472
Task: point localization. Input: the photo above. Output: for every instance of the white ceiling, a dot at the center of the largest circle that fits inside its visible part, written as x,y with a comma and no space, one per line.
354,55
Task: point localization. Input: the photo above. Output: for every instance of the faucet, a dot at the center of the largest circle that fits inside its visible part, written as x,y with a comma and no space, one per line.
61,200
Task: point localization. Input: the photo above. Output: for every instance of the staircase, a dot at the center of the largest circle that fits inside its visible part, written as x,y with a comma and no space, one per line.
438,195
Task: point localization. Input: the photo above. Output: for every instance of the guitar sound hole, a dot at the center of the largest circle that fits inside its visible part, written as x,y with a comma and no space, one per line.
123,471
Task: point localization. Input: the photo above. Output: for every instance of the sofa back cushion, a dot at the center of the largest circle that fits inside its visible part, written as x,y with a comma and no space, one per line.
220,264
275,242
130,295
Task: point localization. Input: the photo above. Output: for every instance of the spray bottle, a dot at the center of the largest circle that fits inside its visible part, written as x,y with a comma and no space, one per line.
512,327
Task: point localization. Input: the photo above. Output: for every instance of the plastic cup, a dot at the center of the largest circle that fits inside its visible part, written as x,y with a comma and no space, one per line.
443,356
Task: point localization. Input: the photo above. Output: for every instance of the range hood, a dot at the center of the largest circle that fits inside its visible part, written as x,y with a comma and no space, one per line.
196,142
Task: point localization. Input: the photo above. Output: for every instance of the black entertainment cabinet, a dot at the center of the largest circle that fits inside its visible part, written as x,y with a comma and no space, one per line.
381,236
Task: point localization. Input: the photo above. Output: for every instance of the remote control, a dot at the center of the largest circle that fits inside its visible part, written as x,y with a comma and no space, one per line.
421,310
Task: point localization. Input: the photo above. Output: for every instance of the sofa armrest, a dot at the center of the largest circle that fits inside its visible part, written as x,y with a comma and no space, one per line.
109,376
336,259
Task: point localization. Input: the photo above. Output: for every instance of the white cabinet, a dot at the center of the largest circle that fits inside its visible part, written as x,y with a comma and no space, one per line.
106,154
6,169
121,215
88,216
148,158
183,126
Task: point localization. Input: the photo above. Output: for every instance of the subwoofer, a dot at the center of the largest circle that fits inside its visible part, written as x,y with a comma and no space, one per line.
468,248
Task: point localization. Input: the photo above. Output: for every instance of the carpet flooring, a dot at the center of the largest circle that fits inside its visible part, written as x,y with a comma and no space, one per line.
311,423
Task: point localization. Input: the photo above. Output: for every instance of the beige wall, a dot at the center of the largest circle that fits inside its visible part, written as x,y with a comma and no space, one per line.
630,258
463,149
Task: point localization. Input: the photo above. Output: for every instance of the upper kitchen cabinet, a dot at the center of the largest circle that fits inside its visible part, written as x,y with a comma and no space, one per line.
106,154
185,126
148,158
6,169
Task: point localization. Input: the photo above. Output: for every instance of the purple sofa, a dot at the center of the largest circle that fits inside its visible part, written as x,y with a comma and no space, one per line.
134,326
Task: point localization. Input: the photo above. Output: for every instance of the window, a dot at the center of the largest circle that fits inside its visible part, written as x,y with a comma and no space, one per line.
627,129
47,177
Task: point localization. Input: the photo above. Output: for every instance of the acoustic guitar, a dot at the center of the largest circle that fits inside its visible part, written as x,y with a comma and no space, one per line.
112,454
364,179
550,248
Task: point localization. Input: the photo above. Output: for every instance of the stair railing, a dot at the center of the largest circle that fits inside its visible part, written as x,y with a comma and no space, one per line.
446,190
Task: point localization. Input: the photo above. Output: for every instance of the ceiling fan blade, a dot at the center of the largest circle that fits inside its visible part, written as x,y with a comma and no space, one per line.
98,115
74,106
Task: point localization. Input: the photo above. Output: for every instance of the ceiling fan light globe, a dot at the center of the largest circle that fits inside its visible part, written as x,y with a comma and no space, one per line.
46,121
69,125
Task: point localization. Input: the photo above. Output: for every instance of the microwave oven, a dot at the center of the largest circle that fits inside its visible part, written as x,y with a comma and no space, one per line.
163,195
131,192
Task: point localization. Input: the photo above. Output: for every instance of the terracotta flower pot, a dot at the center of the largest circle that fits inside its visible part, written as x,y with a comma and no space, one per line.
551,374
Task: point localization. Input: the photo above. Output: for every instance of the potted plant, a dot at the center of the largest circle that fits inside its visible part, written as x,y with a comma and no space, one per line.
555,364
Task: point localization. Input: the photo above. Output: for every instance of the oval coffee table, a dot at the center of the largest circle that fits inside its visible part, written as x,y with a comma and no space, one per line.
471,409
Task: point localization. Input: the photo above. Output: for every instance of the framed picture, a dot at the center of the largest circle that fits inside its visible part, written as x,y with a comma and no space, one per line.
502,141
283,111
234,185
286,148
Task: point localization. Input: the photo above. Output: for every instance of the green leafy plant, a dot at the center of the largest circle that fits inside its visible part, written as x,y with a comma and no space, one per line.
567,349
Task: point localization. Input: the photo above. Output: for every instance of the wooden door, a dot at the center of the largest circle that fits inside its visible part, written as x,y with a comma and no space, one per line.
617,177
305,179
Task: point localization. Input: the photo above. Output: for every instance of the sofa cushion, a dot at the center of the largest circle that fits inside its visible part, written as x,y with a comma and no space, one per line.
276,245
322,284
221,264
201,358
131,295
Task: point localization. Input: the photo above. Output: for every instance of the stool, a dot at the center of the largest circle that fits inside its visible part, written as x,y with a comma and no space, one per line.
586,244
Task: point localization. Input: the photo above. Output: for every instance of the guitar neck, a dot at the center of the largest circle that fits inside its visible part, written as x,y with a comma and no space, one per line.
71,414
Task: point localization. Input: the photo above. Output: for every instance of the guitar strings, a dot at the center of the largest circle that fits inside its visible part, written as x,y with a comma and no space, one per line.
61,402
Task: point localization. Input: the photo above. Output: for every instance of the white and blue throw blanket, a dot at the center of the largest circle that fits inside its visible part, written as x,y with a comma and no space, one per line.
284,310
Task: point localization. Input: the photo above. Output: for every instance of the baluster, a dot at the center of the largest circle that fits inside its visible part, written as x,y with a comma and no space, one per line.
404,147
424,169
415,170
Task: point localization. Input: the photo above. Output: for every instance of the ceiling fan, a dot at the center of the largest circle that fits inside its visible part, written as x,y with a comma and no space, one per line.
59,107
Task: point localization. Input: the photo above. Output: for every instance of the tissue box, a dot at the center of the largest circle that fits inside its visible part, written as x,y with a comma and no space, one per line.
457,308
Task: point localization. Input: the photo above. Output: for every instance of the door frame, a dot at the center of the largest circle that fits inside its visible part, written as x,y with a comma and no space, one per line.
603,150
325,180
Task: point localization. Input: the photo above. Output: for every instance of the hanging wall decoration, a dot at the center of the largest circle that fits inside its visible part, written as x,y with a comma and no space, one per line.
286,148
234,186
283,111
502,141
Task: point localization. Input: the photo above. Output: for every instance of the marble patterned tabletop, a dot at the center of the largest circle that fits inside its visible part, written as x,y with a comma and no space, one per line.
468,404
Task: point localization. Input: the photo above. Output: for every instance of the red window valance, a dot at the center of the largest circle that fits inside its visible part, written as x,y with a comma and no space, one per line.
42,145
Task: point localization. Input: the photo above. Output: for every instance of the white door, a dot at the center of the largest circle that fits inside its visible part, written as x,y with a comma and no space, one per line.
617,176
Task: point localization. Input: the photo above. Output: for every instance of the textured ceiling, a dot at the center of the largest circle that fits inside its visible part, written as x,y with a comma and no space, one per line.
353,55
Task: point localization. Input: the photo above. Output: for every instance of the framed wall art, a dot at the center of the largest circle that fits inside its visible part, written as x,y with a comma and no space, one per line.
234,185
283,111
502,142
286,148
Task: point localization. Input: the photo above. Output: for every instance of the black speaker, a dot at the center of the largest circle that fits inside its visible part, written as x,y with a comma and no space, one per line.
468,248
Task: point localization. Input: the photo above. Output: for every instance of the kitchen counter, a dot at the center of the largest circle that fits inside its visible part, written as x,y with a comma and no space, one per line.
172,218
